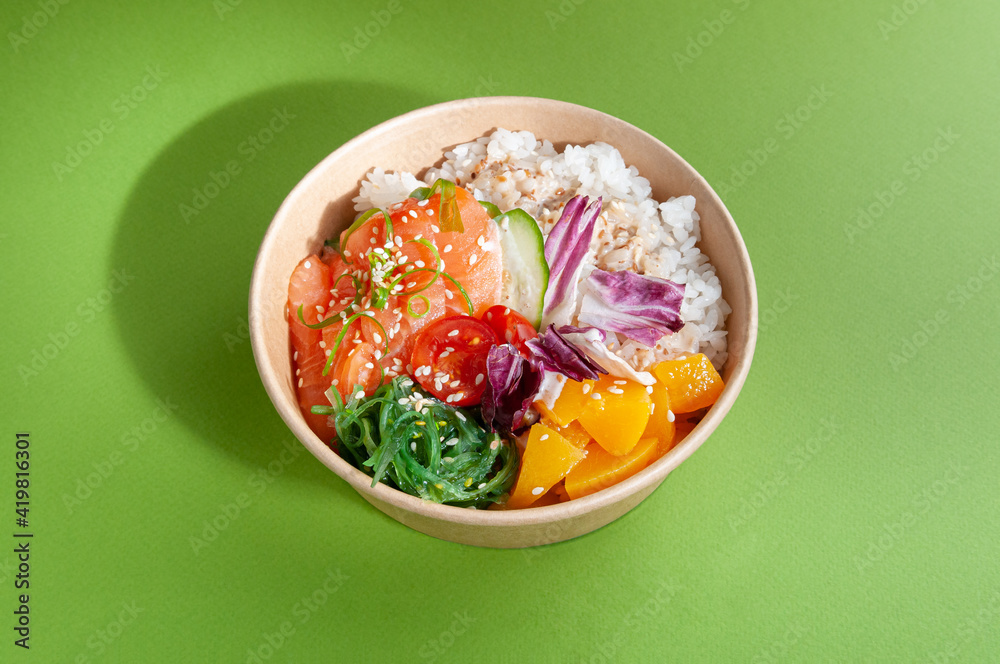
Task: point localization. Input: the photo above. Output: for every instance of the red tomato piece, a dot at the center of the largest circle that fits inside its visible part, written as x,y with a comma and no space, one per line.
510,327
449,359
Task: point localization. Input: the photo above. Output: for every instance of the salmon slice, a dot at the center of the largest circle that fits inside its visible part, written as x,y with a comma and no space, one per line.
309,287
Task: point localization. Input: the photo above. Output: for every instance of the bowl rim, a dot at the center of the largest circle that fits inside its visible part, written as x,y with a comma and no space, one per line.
651,475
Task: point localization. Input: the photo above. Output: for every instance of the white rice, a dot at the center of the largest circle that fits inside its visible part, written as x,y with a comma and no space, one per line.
513,169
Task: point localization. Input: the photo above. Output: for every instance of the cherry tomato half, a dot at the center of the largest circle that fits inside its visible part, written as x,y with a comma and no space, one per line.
449,359
510,326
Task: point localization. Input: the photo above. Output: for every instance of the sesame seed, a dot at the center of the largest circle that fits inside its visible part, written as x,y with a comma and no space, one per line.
621,382
480,240
460,416
586,388
448,294
413,213
479,379
544,436
322,344
300,382
616,390
483,485
377,337
308,265
402,402
435,228
595,395
372,240
453,333
495,444
328,352
319,308
450,442
670,416
506,311
423,202
298,372
347,253
446,249
296,356
449,349
413,447
455,383
472,259
419,264
336,382
430,212
537,491
649,389
369,365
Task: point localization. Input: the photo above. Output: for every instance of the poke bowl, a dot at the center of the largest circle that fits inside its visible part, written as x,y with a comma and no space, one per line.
606,325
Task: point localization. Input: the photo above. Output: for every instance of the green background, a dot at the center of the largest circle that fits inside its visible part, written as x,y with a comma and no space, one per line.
846,510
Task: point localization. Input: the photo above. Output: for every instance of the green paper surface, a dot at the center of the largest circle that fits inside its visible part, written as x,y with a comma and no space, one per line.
846,510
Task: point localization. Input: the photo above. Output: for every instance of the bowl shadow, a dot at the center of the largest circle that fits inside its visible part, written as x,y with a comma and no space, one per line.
188,235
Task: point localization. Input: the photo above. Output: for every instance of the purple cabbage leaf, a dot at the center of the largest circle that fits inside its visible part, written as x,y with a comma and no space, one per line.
565,248
511,385
553,352
641,307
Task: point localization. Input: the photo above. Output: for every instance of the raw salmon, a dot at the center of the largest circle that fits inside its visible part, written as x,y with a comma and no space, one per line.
378,345
309,287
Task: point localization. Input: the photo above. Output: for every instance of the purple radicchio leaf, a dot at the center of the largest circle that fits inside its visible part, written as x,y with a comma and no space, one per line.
641,307
565,248
511,386
554,353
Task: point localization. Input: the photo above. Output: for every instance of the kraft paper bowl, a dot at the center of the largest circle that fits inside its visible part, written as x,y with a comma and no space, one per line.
320,205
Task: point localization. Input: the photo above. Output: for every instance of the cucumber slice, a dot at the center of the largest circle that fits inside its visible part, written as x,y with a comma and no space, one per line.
525,272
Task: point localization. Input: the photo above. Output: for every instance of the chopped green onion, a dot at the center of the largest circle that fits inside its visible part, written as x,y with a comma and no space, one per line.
343,332
420,193
436,270
468,300
493,210
409,306
359,222
448,214
334,318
